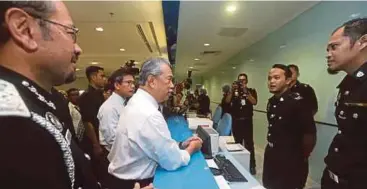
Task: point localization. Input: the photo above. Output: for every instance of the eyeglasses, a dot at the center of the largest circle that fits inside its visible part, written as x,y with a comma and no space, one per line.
73,33
129,83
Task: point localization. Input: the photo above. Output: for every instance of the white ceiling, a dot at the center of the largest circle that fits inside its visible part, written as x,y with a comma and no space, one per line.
119,31
200,22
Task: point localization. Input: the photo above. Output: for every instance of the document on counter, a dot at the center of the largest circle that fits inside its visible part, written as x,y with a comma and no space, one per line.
221,182
211,163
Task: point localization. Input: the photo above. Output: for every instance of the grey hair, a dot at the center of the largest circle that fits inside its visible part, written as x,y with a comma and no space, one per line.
151,66
39,9
226,88
203,91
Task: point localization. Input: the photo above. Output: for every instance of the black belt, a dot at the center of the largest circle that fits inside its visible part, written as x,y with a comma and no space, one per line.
118,183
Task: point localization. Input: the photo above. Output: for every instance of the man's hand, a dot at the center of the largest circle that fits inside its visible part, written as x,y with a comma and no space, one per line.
137,186
187,142
194,146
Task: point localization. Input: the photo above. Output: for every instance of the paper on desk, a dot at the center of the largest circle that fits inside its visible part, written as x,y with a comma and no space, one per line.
211,163
221,182
258,187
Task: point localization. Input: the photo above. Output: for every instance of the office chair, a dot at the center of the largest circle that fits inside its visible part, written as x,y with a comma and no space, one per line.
225,125
216,116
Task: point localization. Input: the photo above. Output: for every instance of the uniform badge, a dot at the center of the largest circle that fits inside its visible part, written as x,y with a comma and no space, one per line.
54,121
360,74
11,103
281,99
355,115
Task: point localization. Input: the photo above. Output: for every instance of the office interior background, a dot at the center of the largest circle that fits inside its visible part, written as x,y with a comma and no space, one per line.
217,41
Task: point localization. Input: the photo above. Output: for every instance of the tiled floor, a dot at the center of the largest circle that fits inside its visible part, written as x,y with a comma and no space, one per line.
259,155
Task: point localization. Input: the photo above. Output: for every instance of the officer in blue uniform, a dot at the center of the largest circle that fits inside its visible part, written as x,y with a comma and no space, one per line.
346,165
291,134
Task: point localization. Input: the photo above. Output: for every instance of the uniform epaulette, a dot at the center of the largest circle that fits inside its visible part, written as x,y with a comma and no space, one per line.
296,96
11,103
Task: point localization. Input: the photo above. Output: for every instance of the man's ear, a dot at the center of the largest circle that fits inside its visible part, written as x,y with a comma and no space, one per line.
363,42
22,28
288,80
151,81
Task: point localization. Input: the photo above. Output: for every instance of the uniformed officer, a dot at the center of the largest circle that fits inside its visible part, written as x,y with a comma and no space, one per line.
242,99
38,50
346,162
291,133
90,102
305,90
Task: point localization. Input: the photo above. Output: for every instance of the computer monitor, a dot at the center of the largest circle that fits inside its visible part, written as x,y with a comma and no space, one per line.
206,147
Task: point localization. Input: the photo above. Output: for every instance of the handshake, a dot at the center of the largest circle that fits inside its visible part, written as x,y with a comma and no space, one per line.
192,144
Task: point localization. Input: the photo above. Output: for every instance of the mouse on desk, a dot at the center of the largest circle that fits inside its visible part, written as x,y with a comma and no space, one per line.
215,171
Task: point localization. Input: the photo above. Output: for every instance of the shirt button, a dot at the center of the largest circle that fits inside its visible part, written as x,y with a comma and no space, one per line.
339,132
336,149
272,115
341,112
269,134
270,125
274,106
280,117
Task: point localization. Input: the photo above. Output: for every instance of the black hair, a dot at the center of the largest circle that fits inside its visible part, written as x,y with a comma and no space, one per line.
242,74
295,67
118,76
69,91
92,70
354,29
37,9
287,71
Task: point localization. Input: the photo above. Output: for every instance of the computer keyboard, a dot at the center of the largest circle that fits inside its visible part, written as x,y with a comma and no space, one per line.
230,172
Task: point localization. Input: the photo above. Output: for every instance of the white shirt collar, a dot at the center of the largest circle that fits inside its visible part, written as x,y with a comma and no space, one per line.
117,97
149,97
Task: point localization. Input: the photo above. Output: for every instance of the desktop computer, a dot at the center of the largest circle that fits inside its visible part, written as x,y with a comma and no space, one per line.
210,139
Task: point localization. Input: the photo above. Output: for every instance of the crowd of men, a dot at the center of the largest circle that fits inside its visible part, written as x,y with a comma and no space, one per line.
117,140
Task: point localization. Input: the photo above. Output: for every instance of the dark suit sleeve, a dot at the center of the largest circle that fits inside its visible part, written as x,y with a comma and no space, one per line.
30,157
312,99
85,108
308,128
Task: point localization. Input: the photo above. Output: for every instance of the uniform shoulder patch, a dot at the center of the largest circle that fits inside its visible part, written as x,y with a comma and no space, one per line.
296,96
11,103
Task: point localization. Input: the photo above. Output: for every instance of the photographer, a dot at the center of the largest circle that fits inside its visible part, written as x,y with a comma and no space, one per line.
242,99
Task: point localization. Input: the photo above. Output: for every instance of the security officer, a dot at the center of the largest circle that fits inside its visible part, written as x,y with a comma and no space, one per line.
242,100
309,101
39,151
346,162
291,134
305,90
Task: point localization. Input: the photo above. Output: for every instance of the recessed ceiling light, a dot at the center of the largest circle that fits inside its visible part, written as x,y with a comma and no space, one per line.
196,59
233,67
282,46
252,60
122,50
100,29
231,8
206,44
94,63
191,67
77,69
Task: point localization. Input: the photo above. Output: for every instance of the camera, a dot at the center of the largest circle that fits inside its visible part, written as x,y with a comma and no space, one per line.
239,89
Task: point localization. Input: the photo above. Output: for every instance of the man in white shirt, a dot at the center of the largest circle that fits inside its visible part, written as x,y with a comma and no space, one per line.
121,82
73,96
143,140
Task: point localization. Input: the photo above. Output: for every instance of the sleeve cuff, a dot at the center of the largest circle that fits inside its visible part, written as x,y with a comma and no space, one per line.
185,157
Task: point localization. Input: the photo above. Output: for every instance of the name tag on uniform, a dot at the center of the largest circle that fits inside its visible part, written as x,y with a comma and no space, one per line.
68,137
243,102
